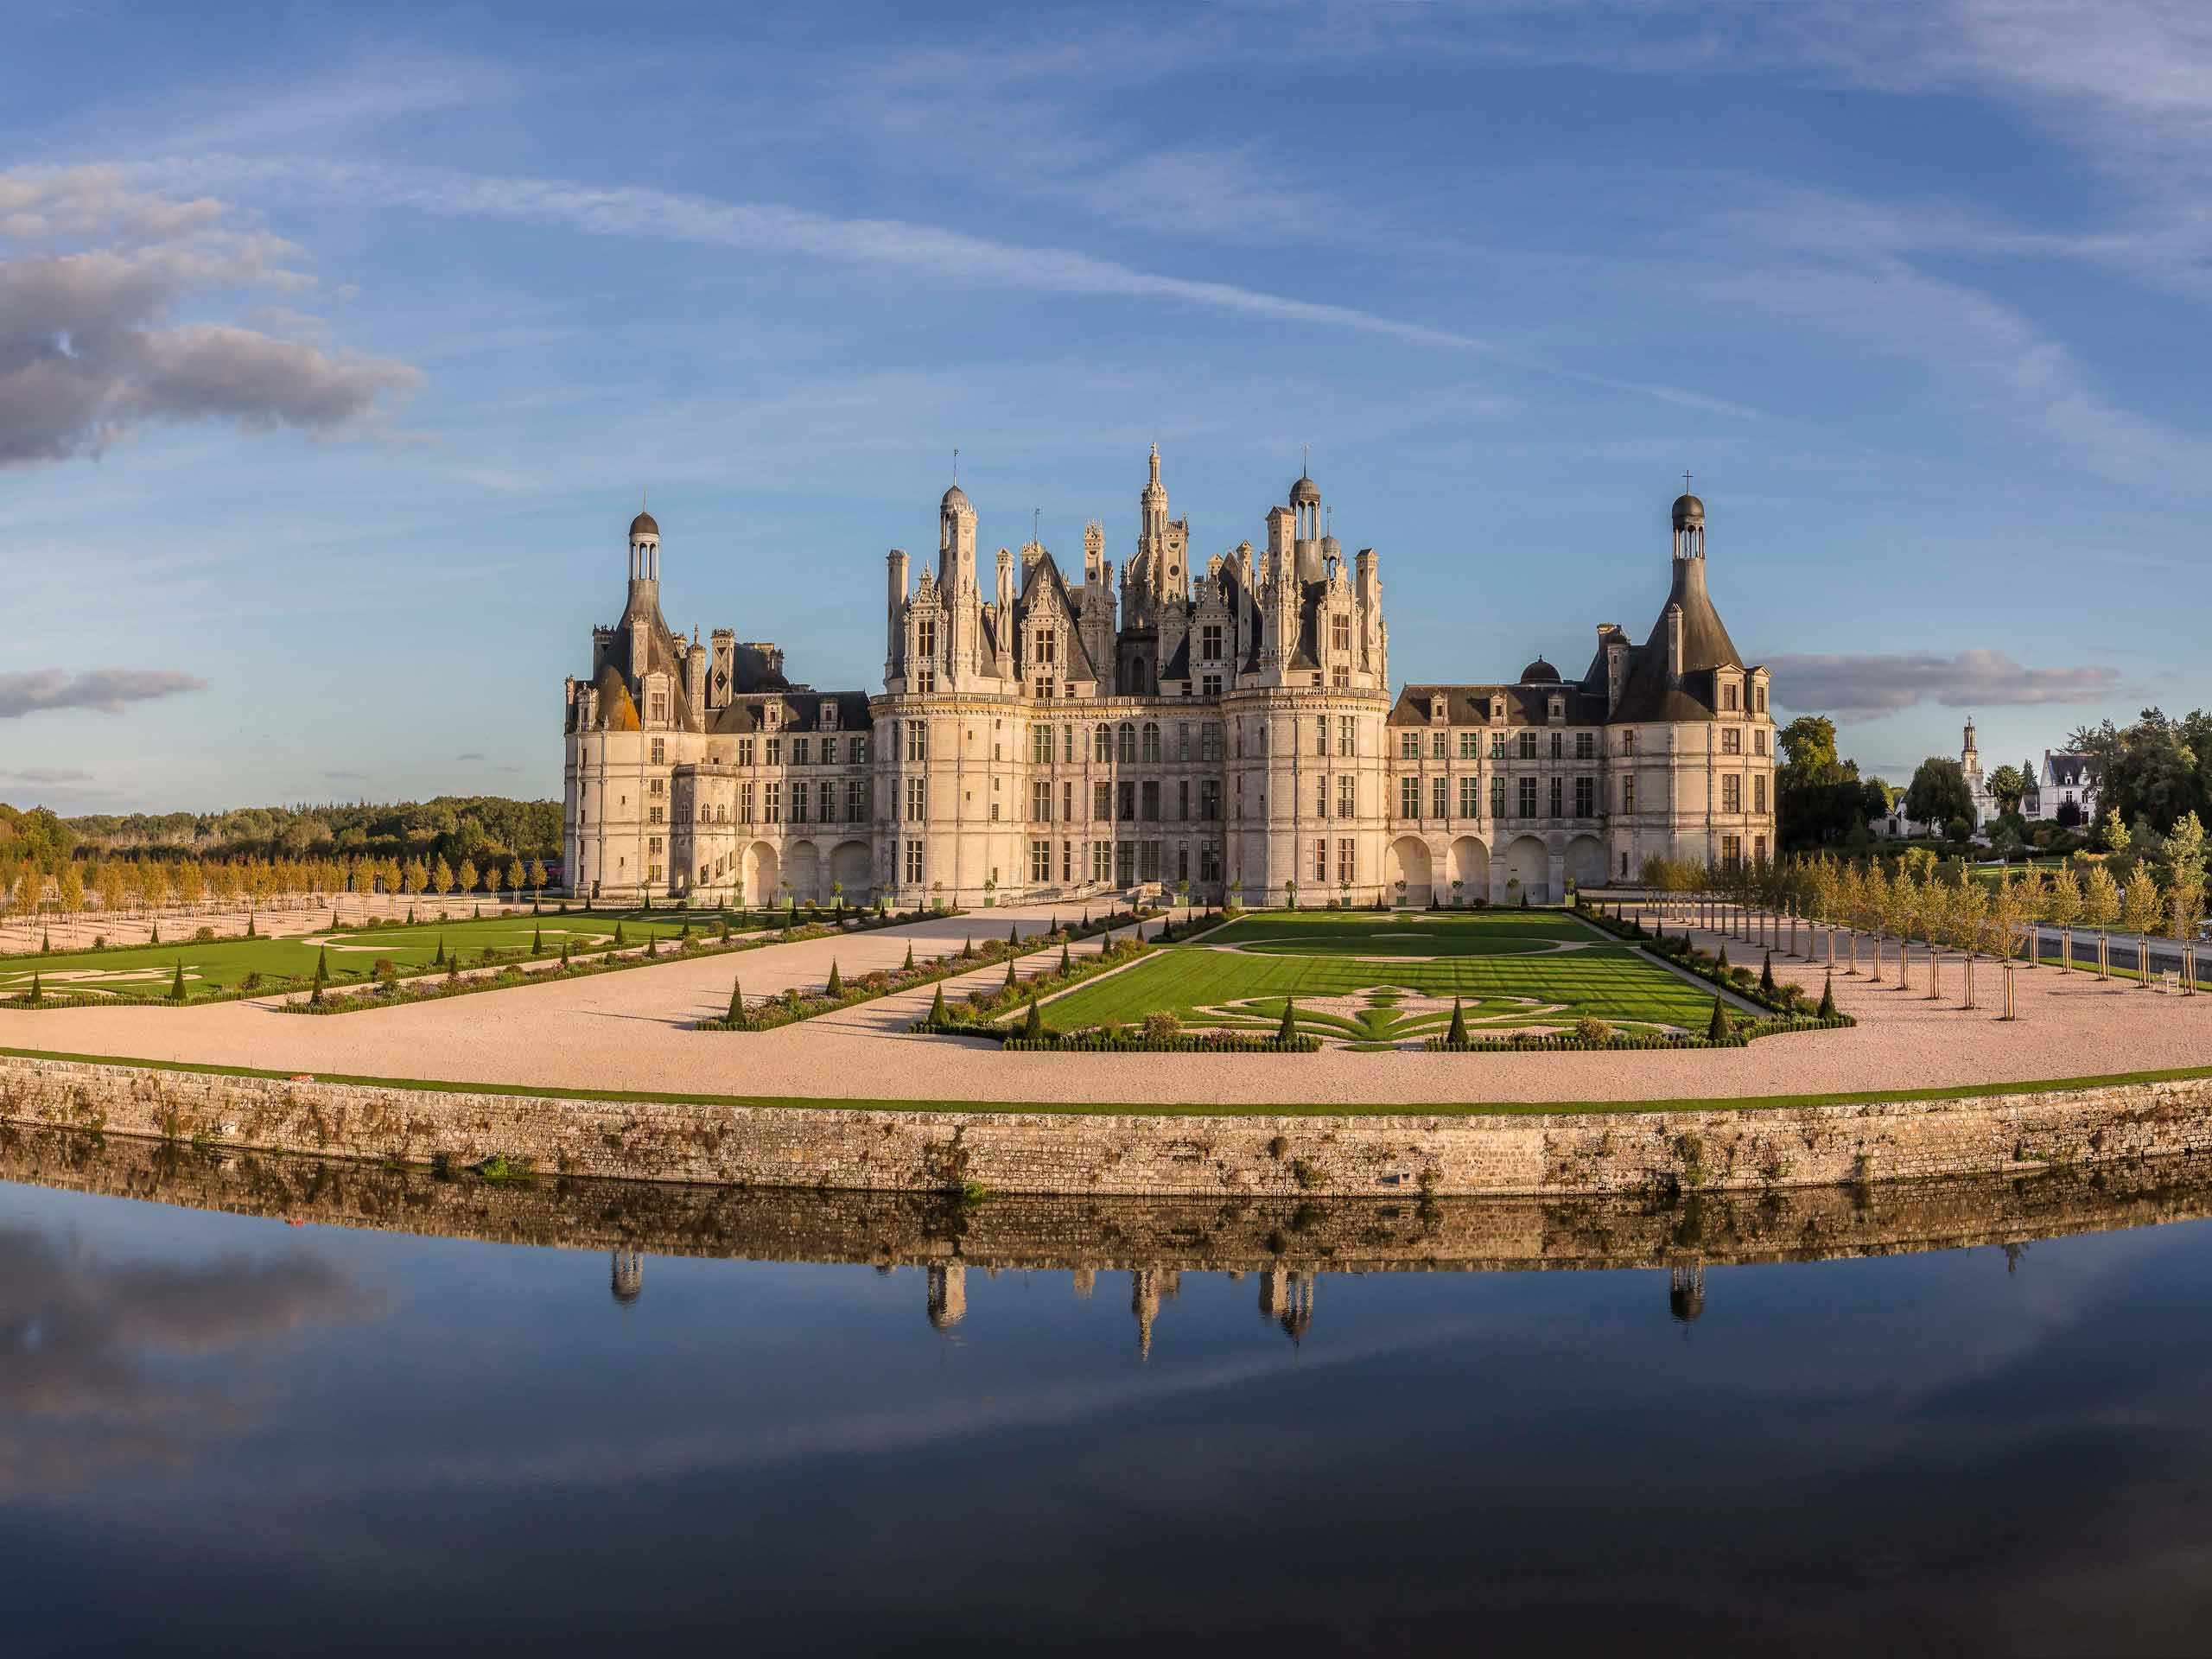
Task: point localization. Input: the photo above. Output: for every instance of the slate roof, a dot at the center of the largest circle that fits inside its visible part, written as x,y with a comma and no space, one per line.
1646,695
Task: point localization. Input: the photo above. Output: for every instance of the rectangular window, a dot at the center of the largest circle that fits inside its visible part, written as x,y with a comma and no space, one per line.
918,800
1040,861
1148,860
1347,798
800,748
1040,744
1470,798
1586,745
656,815
1471,745
1209,863
925,638
1320,735
745,803
798,803
1439,743
1527,745
1496,797
1558,744
1125,863
1182,740
1758,741
1347,737
917,740
1347,866
1758,699
1127,802
913,863
1183,800
1102,801
1627,742
1439,797
1209,799
1321,796
771,804
1210,685
1210,642
1585,797
1067,803
1528,801
1321,863
1151,801
744,751
657,706
1732,739
1209,742
1040,801
1557,789
1409,745
1758,792
856,751
855,800
1628,791
1101,860
1728,697
1731,794
1340,633
1731,851
1497,745
774,746
1409,798
1067,863
1047,646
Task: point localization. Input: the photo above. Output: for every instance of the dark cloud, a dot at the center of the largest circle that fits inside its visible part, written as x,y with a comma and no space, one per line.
105,689
45,775
89,273
1870,686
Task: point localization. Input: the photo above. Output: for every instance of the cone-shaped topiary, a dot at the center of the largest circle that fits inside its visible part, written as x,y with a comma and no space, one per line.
1458,1034
686,932
157,933
1724,959
38,990
323,965
251,934
620,939
1766,975
652,945
1055,926
1287,1032
1065,965
410,916
565,952
1013,933
1033,1028
737,1002
45,945
439,961
937,1008
334,921
909,963
968,946
1828,996
453,967
1718,1027
836,987
537,941
1011,979
176,985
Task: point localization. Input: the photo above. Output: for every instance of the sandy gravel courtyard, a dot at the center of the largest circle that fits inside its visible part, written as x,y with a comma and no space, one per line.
629,1031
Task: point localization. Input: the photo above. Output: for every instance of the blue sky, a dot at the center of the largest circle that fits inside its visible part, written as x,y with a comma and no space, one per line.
337,346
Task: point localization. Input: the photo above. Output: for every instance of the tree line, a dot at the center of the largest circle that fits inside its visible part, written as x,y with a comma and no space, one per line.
451,826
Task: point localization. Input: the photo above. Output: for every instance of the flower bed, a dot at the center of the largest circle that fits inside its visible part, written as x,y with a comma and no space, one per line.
1789,1001
1750,1032
396,993
793,1005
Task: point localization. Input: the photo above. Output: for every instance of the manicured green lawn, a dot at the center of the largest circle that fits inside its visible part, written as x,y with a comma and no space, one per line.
1389,978
147,970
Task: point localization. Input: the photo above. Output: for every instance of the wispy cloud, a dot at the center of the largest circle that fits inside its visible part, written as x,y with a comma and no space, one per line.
45,775
108,690
1868,687
472,755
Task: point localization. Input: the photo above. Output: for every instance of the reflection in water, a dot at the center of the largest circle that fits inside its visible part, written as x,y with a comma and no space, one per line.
1882,1438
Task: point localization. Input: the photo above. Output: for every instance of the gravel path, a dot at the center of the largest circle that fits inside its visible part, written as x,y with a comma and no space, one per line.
628,1031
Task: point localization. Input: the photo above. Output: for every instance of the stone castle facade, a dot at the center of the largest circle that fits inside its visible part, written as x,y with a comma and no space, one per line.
1230,727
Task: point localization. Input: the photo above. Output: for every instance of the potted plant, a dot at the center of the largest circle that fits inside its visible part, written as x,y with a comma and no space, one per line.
1290,892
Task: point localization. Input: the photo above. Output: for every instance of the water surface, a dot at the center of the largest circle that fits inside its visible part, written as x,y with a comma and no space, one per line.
1201,1429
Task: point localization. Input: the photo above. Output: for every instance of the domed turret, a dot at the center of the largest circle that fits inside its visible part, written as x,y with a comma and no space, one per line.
1688,510
956,501
1306,493
645,525
1540,673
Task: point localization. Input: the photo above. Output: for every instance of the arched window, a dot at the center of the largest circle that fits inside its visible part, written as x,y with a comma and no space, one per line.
1128,735
1102,748
1152,743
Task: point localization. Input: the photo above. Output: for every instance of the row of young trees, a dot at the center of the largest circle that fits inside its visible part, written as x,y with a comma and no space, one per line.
1951,905
118,886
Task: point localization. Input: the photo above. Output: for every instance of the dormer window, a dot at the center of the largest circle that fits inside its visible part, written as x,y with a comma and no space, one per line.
1497,711
1729,697
1559,708
829,714
1439,709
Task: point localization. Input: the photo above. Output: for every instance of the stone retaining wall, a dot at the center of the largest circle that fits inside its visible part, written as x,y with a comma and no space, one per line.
1099,1235
1368,1157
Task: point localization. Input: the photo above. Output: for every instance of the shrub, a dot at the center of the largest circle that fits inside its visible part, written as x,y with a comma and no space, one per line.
1160,1027
1458,1034
1590,1029
737,1002
536,942
1828,996
1012,979
200,936
1717,1029
1724,959
1033,1028
937,1005
176,985
1766,975
620,938
836,985
1287,1031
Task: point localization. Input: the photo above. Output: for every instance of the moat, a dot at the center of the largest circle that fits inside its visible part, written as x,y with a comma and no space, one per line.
258,1404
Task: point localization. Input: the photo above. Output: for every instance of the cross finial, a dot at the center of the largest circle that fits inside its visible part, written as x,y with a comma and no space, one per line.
1036,519
1305,459
955,463
1686,483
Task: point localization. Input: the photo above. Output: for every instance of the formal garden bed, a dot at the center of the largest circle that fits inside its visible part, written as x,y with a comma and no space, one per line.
838,992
